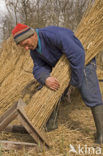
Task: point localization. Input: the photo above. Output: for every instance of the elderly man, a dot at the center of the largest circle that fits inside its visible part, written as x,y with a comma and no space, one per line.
46,46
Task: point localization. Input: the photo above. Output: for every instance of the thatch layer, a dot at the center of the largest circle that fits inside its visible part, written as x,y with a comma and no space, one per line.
15,75
90,30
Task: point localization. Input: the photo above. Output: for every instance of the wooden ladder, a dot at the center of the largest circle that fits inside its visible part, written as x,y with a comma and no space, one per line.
18,110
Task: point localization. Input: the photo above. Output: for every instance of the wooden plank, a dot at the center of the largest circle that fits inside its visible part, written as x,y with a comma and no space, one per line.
8,118
38,136
10,114
12,145
9,111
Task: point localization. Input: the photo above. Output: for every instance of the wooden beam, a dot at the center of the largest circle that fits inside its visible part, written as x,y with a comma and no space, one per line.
8,116
12,145
38,136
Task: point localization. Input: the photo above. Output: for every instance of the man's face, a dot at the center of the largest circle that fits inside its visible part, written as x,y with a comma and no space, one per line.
30,43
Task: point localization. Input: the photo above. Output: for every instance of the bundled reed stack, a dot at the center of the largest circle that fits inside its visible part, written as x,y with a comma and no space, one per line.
90,30
16,79
90,33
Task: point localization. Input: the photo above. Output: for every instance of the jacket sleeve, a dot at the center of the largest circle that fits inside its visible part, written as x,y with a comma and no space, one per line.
74,51
40,70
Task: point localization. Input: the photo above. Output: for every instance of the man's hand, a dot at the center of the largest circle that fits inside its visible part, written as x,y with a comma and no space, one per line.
52,83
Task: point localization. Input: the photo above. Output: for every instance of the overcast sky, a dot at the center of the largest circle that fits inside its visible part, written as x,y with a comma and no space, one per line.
2,11
2,7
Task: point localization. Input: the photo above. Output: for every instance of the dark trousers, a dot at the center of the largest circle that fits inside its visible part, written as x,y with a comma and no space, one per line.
90,90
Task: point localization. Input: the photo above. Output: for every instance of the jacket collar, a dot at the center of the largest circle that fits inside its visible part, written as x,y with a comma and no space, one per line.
38,49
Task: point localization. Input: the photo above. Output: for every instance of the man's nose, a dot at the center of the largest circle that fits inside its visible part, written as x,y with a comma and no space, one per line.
27,48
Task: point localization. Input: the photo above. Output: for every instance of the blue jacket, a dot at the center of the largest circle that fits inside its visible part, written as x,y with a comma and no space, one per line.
53,42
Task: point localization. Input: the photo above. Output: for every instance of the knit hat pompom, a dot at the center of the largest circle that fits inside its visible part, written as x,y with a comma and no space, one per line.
21,32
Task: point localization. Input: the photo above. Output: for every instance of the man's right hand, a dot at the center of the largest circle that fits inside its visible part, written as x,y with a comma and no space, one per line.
52,83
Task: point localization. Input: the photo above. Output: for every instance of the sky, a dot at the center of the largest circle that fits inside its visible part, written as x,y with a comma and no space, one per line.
2,11
2,7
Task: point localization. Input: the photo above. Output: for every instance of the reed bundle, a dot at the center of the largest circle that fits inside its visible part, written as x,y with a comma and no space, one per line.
100,74
14,76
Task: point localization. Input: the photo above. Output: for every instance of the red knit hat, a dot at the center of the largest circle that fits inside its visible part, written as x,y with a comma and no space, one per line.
21,32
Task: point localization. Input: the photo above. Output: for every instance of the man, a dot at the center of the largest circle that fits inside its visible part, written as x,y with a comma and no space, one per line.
46,46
